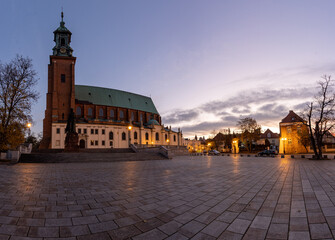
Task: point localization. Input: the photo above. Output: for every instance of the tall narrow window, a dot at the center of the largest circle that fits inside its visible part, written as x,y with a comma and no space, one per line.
146,136
62,78
101,112
165,137
78,111
111,113
62,41
111,135
174,138
123,136
135,135
90,112
141,117
157,136
121,114
132,116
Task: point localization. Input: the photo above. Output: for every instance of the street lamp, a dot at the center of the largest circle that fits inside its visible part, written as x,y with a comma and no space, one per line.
284,139
129,129
29,126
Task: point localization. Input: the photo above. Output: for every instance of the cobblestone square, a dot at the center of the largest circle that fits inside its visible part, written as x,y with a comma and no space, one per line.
190,197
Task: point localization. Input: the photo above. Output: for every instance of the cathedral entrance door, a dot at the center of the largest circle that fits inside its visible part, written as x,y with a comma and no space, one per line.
82,143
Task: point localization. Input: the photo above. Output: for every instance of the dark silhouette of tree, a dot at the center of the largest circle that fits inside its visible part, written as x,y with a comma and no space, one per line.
251,131
17,80
320,115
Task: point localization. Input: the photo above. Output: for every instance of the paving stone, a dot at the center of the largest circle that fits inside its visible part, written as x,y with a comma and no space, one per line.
202,236
255,233
14,230
239,226
177,236
96,236
44,232
320,231
227,217
261,222
191,228
226,235
170,227
34,222
73,231
298,224
57,222
298,235
84,220
215,228
154,234
124,233
277,231
102,227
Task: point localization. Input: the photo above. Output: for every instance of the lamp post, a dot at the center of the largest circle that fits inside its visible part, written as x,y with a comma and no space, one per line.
29,126
129,138
284,139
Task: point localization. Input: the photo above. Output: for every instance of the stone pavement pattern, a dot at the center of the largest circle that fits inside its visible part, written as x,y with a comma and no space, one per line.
198,197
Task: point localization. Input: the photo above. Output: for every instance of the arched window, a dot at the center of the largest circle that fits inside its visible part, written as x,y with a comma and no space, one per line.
101,112
121,114
123,136
165,137
146,136
78,111
135,135
90,112
132,116
111,136
62,41
157,136
111,113
174,138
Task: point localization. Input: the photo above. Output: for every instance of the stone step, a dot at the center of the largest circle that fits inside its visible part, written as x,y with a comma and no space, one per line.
88,157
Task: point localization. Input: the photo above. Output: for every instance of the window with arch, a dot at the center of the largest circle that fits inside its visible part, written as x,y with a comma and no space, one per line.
123,136
157,136
90,112
146,136
121,114
78,111
165,137
111,113
111,135
101,112
135,135
174,138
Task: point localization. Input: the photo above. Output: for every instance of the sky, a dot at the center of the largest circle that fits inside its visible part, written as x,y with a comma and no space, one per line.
205,64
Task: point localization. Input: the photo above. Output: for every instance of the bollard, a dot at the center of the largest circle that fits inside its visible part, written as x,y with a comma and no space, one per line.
282,156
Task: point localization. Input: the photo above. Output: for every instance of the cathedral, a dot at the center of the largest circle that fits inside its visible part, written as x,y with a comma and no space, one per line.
104,118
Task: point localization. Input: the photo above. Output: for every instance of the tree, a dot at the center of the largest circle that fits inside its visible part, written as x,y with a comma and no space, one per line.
250,131
17,80
320,115
304,138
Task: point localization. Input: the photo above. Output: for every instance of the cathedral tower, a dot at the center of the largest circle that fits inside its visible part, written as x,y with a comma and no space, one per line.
61,95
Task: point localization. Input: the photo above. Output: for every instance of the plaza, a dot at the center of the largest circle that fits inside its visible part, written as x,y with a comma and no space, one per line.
189,197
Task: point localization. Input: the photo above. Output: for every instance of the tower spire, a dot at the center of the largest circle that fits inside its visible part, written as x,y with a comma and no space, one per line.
62,14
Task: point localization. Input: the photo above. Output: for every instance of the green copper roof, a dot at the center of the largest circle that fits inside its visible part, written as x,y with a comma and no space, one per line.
115,98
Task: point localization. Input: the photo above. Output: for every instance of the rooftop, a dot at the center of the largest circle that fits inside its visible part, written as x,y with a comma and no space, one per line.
114,98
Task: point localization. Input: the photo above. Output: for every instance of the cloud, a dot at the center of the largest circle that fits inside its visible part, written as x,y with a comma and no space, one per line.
267,106
181,116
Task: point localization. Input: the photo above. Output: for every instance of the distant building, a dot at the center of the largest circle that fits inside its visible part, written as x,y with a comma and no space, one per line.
290,127
105,118
272,137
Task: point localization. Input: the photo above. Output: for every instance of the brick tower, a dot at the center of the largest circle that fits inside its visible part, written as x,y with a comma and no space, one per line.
60,96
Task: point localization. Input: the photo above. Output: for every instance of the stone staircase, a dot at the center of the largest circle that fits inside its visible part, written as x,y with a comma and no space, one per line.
62,157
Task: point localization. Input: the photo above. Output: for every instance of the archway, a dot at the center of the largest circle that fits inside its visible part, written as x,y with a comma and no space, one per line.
82,143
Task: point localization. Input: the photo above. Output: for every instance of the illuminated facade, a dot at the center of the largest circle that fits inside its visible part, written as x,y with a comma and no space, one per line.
290,127
105,118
